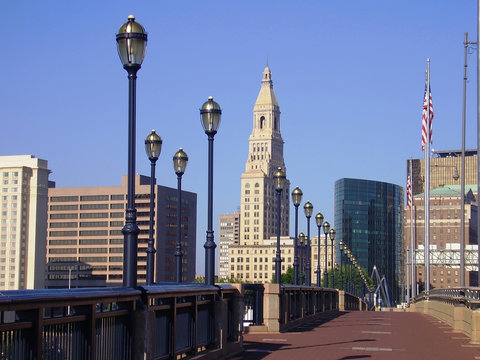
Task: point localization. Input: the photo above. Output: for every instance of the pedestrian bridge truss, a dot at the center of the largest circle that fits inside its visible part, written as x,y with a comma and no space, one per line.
449,258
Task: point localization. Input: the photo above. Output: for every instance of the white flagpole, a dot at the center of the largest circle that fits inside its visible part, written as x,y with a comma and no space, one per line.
427,188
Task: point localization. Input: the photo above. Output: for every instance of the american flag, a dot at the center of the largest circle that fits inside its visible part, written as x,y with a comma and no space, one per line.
409,191
426,120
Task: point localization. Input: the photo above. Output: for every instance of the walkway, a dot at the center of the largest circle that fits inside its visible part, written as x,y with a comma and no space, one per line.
364,335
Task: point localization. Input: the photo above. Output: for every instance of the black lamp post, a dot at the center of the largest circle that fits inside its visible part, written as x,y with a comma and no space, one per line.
153,147
297,199
326,229
279,178
302,247
210,114
180,160
308,208
332,233
349,270
319,220
131,45
340,246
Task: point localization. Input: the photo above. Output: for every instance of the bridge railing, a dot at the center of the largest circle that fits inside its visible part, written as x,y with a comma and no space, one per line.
459,307
286,306
165,321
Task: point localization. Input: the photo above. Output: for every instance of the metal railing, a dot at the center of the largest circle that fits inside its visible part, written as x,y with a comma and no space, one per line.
166,321
468,296
66,324
253,302
299,302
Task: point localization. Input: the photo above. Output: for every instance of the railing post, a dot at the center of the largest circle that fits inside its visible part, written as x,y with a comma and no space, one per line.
144,335
341,300
271,307
303,303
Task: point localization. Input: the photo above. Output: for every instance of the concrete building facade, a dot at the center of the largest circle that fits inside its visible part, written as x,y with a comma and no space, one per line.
85,239
23,222
445,230
228,234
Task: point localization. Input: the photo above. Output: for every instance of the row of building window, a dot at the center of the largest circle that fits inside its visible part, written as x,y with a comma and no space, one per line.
86,198
74,224
85,242
14,189
95,250
247,259
6,174
87,259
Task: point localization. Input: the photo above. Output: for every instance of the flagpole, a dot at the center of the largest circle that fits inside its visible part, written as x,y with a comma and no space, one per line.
478,136
408,274
412,235
427,187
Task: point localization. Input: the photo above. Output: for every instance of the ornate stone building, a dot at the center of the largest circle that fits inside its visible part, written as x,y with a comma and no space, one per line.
258,196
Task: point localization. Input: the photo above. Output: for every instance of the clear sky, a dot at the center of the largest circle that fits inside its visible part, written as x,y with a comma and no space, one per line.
349,78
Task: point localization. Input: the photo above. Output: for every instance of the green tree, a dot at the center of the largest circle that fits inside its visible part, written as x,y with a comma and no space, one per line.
286,278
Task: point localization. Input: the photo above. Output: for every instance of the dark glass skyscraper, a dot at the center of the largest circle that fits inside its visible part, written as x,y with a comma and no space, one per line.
369,219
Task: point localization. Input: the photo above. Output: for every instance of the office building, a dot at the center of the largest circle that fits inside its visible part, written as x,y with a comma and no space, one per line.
445,168
228,234
85,239
23,222
369,218
258,201
445,231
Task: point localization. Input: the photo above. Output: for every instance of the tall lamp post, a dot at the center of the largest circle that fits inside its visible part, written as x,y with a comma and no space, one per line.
279,178
332,233
308,208
131,46
297,199
326,229
153,147
302,247
340,246
210,114
319,220
180,160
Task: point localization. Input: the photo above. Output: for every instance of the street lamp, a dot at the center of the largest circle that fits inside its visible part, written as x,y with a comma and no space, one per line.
308,209
340,246
319,220
131,46
297,199
332,233
180,160
348,254
153,147
279,178
326,229
302,241
210,114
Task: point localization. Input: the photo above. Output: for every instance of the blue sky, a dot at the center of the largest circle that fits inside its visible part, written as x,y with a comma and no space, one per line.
349,77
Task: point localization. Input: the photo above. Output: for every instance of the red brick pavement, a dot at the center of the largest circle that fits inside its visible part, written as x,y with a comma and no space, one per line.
364,335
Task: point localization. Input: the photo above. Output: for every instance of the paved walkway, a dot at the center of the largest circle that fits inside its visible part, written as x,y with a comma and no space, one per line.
364,335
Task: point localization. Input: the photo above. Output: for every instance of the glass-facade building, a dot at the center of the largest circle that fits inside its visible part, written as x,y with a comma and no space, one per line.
369,219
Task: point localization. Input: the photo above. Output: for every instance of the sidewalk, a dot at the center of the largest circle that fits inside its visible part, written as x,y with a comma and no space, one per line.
364,335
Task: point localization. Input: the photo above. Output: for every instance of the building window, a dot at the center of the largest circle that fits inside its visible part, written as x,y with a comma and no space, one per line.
94,198
63,198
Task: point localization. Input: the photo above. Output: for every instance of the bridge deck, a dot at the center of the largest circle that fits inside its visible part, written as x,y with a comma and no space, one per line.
362,335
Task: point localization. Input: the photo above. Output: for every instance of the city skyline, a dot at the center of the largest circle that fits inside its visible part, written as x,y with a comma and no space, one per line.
349,77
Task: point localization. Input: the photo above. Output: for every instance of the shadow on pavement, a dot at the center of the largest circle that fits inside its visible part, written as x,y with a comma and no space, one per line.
312,324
